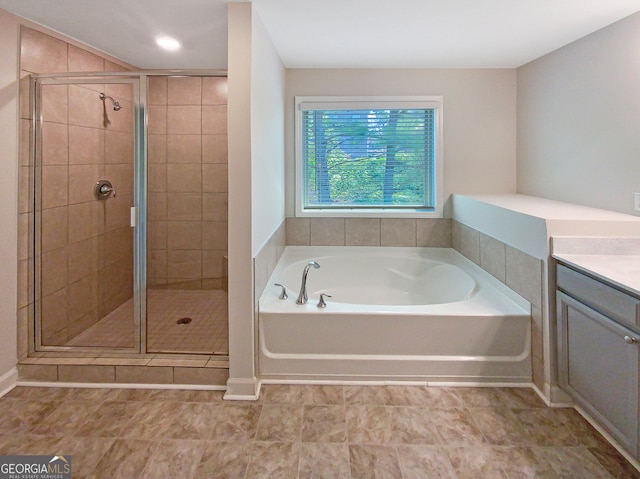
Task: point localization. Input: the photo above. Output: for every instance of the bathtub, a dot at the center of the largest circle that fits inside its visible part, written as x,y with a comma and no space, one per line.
395,314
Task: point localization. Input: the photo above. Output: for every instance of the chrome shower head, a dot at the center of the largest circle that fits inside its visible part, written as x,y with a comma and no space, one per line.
116,105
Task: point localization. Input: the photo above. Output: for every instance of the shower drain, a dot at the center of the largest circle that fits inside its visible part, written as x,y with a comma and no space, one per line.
184,321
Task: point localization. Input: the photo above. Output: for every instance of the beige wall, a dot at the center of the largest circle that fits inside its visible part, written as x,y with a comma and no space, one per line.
256,83
9,48
578,118
479,118
187,229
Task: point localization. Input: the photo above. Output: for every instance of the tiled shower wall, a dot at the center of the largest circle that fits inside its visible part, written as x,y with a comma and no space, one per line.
187,175
78,149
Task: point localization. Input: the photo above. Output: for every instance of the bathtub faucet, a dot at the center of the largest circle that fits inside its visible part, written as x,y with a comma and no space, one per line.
302,297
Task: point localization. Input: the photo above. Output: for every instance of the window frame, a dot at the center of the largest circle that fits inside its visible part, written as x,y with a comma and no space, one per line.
369,102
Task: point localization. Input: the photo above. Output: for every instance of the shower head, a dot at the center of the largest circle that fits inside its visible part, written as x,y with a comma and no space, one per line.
116,105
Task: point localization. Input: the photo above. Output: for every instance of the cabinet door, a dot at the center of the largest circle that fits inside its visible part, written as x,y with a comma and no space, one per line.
599,368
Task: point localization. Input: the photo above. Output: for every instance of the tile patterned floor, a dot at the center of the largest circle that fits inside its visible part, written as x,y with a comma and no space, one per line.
207,333
308,432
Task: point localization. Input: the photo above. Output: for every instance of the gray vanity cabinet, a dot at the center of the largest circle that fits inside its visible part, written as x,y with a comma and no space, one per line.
599,353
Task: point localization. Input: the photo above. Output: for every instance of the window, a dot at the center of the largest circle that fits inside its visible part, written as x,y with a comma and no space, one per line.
368,156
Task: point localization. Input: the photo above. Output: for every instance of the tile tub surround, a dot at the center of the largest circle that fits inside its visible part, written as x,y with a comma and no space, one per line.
519,271
296,431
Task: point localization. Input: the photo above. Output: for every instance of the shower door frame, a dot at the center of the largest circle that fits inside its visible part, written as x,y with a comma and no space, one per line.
138,210
139,80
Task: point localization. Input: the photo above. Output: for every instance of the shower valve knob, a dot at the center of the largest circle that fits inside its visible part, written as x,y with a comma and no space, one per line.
283,293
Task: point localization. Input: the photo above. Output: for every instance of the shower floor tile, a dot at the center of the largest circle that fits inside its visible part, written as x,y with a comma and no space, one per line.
206,333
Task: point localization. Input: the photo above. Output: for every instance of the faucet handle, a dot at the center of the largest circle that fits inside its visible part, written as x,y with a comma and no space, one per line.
322,303
283,293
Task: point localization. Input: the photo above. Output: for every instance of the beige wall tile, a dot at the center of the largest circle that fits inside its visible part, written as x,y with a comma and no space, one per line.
25,96
466,241
524,275
184,235
184,120
25,195
215,178
398,232
158,90
157,264
118,244
83,258
83,323
42,53
184,178
55,103
157,179
157,120
55,144
144,374
25,287
122,178
121,120
184,206
54,228
25,143
86,145
214,120
184,90
215,206
86,373
157,235
184,149
82,180
82,297
54,312
212,263
24,248
214,234
298,231
121,92
157,206
118,147
38,372
493,256
54,271
55,186
157,149
327,231
23,333
362,231
214,149
86,220
85,107
184,264
210,376
214,91
117,211
83,61
433,232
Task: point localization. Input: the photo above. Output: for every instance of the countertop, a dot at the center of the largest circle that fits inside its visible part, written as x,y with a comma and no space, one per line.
622,271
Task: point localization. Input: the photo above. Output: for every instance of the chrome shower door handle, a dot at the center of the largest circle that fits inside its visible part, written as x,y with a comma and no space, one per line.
104,190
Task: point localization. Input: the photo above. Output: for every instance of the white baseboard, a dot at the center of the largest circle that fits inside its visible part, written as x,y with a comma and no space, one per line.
194,387
8,381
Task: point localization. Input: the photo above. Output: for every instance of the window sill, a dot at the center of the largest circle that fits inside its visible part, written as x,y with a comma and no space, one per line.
369,213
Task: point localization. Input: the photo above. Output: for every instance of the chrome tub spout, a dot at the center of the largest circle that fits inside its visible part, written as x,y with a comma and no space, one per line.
302,297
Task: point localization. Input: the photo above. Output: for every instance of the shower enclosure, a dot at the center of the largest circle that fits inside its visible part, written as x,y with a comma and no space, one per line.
129,213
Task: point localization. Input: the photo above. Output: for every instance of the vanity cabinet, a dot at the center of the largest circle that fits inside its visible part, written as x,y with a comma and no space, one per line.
599,352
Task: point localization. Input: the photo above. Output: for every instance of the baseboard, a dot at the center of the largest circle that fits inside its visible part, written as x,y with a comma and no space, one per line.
242,389
8,381
193,387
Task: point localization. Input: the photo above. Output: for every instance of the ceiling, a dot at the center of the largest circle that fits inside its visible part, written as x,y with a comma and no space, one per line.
333,33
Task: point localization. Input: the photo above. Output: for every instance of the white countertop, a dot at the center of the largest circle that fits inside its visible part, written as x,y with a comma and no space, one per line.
622,271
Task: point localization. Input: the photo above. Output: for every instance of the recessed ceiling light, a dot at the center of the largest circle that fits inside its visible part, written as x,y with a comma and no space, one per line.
168,43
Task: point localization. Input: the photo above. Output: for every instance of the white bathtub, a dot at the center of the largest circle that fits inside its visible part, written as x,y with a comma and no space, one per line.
419,314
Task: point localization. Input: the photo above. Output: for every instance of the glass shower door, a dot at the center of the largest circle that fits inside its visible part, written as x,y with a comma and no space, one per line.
84,172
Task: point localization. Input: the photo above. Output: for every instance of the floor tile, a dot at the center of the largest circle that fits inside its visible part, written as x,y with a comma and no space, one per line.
324,461
271,460
369,461
475,462
364,395
424,462
174,459
412,425
125,459
500,427
368,424
236,422
324,424
280,423
523,463
193,421
573,462
224,460
456,427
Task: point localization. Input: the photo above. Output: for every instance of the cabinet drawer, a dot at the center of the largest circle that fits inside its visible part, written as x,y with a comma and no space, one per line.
601,297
